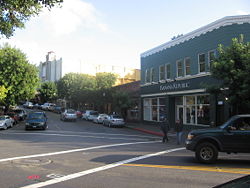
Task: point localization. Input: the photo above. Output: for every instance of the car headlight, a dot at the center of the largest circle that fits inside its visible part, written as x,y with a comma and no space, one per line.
27,124
190,136
41,123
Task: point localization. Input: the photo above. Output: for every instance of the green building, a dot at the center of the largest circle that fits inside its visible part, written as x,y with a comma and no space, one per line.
174,75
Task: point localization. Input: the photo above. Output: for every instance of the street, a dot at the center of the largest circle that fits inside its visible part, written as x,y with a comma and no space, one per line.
84,154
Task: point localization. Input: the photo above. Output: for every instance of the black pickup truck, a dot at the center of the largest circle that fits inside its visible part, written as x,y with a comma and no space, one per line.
231,137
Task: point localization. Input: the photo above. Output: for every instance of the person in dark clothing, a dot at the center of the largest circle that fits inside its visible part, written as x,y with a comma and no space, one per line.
165,128
179,128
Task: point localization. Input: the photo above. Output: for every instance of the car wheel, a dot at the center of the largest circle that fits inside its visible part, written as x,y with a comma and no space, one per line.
5,127
206,153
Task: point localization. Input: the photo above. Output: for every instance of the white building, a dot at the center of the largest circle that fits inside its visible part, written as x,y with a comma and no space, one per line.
51,69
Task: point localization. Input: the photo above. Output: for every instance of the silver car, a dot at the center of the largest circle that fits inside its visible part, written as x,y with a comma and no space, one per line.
99,118
114,121
68,114
5,122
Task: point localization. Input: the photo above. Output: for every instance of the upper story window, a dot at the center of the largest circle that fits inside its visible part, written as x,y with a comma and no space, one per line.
168,71
201,61
152,75
179,68
187,63
162,72
211,57
147,76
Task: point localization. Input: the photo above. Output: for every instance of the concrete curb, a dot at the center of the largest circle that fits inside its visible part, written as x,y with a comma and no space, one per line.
147,131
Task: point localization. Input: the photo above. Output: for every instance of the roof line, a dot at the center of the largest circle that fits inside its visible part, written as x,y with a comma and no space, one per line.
228,20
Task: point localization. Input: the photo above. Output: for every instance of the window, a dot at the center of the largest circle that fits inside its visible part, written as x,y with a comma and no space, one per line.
152,75
201,60
179,68
162,72
154,109
193,109
147,76
187,66
168,71
211,58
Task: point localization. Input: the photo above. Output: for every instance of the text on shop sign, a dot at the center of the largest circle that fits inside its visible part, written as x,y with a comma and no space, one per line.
174,86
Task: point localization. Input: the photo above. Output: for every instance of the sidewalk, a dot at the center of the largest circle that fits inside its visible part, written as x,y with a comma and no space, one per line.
154,130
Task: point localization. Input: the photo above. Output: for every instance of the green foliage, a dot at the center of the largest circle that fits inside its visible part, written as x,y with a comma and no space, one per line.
16,74
14,13
121,101
48,91
233,68
3,92
105,80
76,87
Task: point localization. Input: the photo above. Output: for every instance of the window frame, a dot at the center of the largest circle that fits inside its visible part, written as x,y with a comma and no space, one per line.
152,74
199,67
185,66
209,58
168,76
160,73
177,68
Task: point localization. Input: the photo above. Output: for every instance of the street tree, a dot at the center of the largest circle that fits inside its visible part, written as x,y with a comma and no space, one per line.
76,87
48,91
121,102
17,75
3,92
105,80
14,13
232,67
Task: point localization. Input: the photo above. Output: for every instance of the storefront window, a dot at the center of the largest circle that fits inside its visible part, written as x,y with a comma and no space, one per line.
154,109
196,109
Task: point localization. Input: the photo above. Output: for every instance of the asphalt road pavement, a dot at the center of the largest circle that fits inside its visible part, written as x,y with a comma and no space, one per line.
83,154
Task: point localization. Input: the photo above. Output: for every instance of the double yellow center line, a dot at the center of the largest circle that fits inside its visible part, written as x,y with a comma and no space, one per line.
196,168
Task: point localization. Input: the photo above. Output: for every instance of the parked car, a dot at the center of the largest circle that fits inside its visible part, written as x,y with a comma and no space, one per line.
79,114
89,115
36,120
28,104
21,113
5,122
51,106
231,137
14,116
47,106
99,118
68,114
57,109
114,121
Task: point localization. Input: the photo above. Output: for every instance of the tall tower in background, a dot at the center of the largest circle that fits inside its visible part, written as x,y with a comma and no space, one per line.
51,69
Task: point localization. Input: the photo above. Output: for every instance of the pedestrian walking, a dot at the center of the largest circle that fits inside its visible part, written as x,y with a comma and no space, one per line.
165,128
179,129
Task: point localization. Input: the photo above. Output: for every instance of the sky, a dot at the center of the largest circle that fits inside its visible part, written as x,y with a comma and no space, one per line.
115,32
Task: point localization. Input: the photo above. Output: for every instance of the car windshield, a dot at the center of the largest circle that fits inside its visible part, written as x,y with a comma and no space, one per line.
2,118
71,111
117,117
94,113
223,126
35,116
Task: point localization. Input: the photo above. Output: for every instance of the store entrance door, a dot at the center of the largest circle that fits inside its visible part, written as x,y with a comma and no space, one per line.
179,114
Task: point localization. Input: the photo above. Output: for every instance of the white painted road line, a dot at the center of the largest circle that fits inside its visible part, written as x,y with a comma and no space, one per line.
82,133
91,171
74,150
80,136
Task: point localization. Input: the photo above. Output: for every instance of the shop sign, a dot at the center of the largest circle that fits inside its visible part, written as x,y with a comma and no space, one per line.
174,86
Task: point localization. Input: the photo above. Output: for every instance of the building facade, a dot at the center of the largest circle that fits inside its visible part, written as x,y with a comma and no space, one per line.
51,69
174,75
